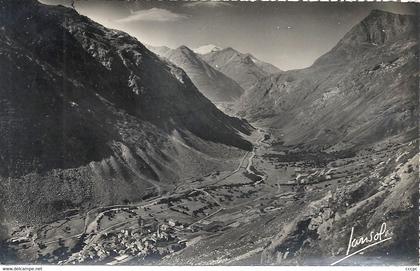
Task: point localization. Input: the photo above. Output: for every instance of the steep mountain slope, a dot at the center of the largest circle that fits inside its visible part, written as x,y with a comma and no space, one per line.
216,86
89,116
361,96
363,90
245,69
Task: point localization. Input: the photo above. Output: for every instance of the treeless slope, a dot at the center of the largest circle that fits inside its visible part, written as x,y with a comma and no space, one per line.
363,90
213,84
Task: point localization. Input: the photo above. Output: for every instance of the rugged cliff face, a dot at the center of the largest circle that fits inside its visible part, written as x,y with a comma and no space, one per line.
89,116
361,91
213,84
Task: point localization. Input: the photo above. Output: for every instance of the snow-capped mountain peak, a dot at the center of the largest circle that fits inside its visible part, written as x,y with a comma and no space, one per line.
205,49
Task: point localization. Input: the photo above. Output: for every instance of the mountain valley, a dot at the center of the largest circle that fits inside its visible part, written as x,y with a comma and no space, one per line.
113,152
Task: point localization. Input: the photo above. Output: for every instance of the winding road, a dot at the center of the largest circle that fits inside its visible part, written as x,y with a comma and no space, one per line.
251,157
90,226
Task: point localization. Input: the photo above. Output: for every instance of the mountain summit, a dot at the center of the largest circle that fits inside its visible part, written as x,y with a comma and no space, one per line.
380,27
216,86
362,90
245,69
205,49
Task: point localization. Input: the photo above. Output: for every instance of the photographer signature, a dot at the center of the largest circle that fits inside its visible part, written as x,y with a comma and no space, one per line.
374,238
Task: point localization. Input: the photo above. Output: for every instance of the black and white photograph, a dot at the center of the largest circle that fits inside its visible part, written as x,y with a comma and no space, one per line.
209,133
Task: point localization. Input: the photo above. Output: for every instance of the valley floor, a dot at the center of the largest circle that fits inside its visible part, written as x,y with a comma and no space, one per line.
278,206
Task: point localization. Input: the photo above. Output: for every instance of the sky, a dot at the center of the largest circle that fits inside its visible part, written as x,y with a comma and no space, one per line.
289,35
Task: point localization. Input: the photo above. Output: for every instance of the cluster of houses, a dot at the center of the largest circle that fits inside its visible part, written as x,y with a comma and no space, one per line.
152,240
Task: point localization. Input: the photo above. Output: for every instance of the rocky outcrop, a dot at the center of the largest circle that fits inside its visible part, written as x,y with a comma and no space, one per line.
320,234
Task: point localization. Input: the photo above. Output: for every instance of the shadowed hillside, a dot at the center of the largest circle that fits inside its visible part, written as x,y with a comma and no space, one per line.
89,116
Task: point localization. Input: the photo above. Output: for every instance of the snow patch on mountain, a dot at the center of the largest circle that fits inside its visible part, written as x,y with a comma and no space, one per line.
205,49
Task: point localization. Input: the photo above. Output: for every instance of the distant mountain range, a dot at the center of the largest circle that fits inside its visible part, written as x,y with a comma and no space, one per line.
221,74
361,91
216,86
89,116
